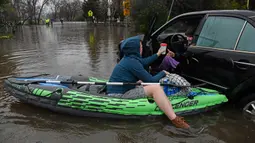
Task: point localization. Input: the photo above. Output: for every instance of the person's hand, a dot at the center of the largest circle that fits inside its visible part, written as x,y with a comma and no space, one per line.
170,53
139,81
166,72
160,51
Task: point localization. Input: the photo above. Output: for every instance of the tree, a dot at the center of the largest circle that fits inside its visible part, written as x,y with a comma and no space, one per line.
41,8
91,5
103,10
56,4
29,10
2,2
75,7
7,17
24,10
116,8
117,4
142,10
7,11
33,4
70,10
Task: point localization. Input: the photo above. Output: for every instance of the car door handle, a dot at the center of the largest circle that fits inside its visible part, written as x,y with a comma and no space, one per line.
195,59
189,57
243,64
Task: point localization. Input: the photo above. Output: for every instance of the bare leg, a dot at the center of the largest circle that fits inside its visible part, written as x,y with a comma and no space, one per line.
164,104
160,98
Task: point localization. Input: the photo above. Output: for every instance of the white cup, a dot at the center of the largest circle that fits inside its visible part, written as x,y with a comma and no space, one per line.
163,47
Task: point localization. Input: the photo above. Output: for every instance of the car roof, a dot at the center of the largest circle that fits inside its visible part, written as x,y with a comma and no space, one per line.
248,14
245,13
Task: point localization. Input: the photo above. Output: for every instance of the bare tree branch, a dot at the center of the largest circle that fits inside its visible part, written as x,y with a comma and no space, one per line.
39,15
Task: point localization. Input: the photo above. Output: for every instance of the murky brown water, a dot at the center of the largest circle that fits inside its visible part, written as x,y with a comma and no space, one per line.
78,48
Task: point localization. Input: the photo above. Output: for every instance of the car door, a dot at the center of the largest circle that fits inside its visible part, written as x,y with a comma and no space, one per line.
213,54
244,57
178,25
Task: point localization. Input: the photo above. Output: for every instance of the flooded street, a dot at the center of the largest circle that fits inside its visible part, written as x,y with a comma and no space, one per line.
80,48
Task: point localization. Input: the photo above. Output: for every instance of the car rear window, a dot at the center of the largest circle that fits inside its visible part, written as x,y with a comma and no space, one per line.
247,40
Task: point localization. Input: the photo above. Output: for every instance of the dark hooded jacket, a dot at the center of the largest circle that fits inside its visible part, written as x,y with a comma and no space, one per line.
131,67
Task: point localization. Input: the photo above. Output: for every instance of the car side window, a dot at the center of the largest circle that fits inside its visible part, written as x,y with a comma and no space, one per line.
247,40
178,27
220,32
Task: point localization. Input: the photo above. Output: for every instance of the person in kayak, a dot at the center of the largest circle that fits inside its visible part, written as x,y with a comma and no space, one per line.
131,68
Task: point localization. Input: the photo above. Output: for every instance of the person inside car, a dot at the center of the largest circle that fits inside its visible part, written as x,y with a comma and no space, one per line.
190,35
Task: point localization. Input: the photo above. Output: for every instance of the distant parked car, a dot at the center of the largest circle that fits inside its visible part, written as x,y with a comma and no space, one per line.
221,52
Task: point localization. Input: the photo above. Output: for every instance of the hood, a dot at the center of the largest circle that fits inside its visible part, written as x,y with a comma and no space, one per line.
131,46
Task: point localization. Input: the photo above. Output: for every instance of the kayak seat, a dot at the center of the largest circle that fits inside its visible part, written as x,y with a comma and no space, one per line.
93,89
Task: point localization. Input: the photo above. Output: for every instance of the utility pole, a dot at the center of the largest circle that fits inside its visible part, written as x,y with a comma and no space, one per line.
248,4
126,13
170,11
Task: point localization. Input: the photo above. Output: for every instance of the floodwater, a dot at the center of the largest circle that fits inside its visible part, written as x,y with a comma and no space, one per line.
80,48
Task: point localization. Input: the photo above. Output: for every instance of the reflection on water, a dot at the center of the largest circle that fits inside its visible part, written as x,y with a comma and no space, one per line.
78,48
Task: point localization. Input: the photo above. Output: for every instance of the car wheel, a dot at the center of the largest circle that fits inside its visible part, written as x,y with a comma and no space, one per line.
248,105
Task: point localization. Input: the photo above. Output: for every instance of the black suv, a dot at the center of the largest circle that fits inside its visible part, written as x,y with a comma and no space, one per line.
221,52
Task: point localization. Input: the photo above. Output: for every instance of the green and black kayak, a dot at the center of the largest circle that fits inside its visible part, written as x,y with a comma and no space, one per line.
92,102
